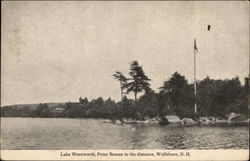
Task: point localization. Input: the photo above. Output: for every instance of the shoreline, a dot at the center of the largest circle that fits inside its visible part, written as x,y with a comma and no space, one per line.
147,122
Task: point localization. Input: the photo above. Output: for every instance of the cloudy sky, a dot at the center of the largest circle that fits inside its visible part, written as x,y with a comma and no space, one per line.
59,51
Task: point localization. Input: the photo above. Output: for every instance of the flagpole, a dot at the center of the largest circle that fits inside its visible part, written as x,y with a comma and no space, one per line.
195,105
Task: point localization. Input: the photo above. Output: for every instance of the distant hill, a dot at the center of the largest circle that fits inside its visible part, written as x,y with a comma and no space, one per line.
34,106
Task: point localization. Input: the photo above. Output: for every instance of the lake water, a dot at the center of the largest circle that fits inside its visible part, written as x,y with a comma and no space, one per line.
60,133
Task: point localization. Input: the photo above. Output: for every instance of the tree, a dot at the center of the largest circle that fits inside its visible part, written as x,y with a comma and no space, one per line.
42,110
227,91
123,81
207,89
177,94
139,81
83,101
128,108
219,97
149,104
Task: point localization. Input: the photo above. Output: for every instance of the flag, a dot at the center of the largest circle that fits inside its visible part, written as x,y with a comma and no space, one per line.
195,46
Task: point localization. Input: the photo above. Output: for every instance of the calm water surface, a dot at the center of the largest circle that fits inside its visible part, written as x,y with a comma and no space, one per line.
59,133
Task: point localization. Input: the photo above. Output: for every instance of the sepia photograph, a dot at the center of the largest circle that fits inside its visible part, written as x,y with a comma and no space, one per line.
125,75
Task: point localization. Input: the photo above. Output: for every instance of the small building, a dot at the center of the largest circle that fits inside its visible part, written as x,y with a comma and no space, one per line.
59,112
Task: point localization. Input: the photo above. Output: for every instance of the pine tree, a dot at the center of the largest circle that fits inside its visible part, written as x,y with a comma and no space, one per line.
139,81
123,81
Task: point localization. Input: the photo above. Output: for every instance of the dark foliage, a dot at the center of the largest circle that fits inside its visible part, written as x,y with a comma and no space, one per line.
214,98
139,81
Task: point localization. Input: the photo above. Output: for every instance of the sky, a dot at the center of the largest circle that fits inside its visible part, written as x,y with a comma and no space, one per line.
58,51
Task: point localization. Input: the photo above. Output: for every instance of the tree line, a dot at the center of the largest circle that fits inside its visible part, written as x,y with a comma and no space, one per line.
175,96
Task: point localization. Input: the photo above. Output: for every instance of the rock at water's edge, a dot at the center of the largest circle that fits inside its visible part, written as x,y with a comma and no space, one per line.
173,119
188,121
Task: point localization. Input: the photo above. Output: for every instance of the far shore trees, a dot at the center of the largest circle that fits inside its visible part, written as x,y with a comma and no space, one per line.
42,110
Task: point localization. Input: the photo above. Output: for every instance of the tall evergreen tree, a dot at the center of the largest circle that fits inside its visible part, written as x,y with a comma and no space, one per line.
123,81
139,81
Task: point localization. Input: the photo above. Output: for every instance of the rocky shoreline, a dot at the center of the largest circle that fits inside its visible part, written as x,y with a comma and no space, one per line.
173,120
